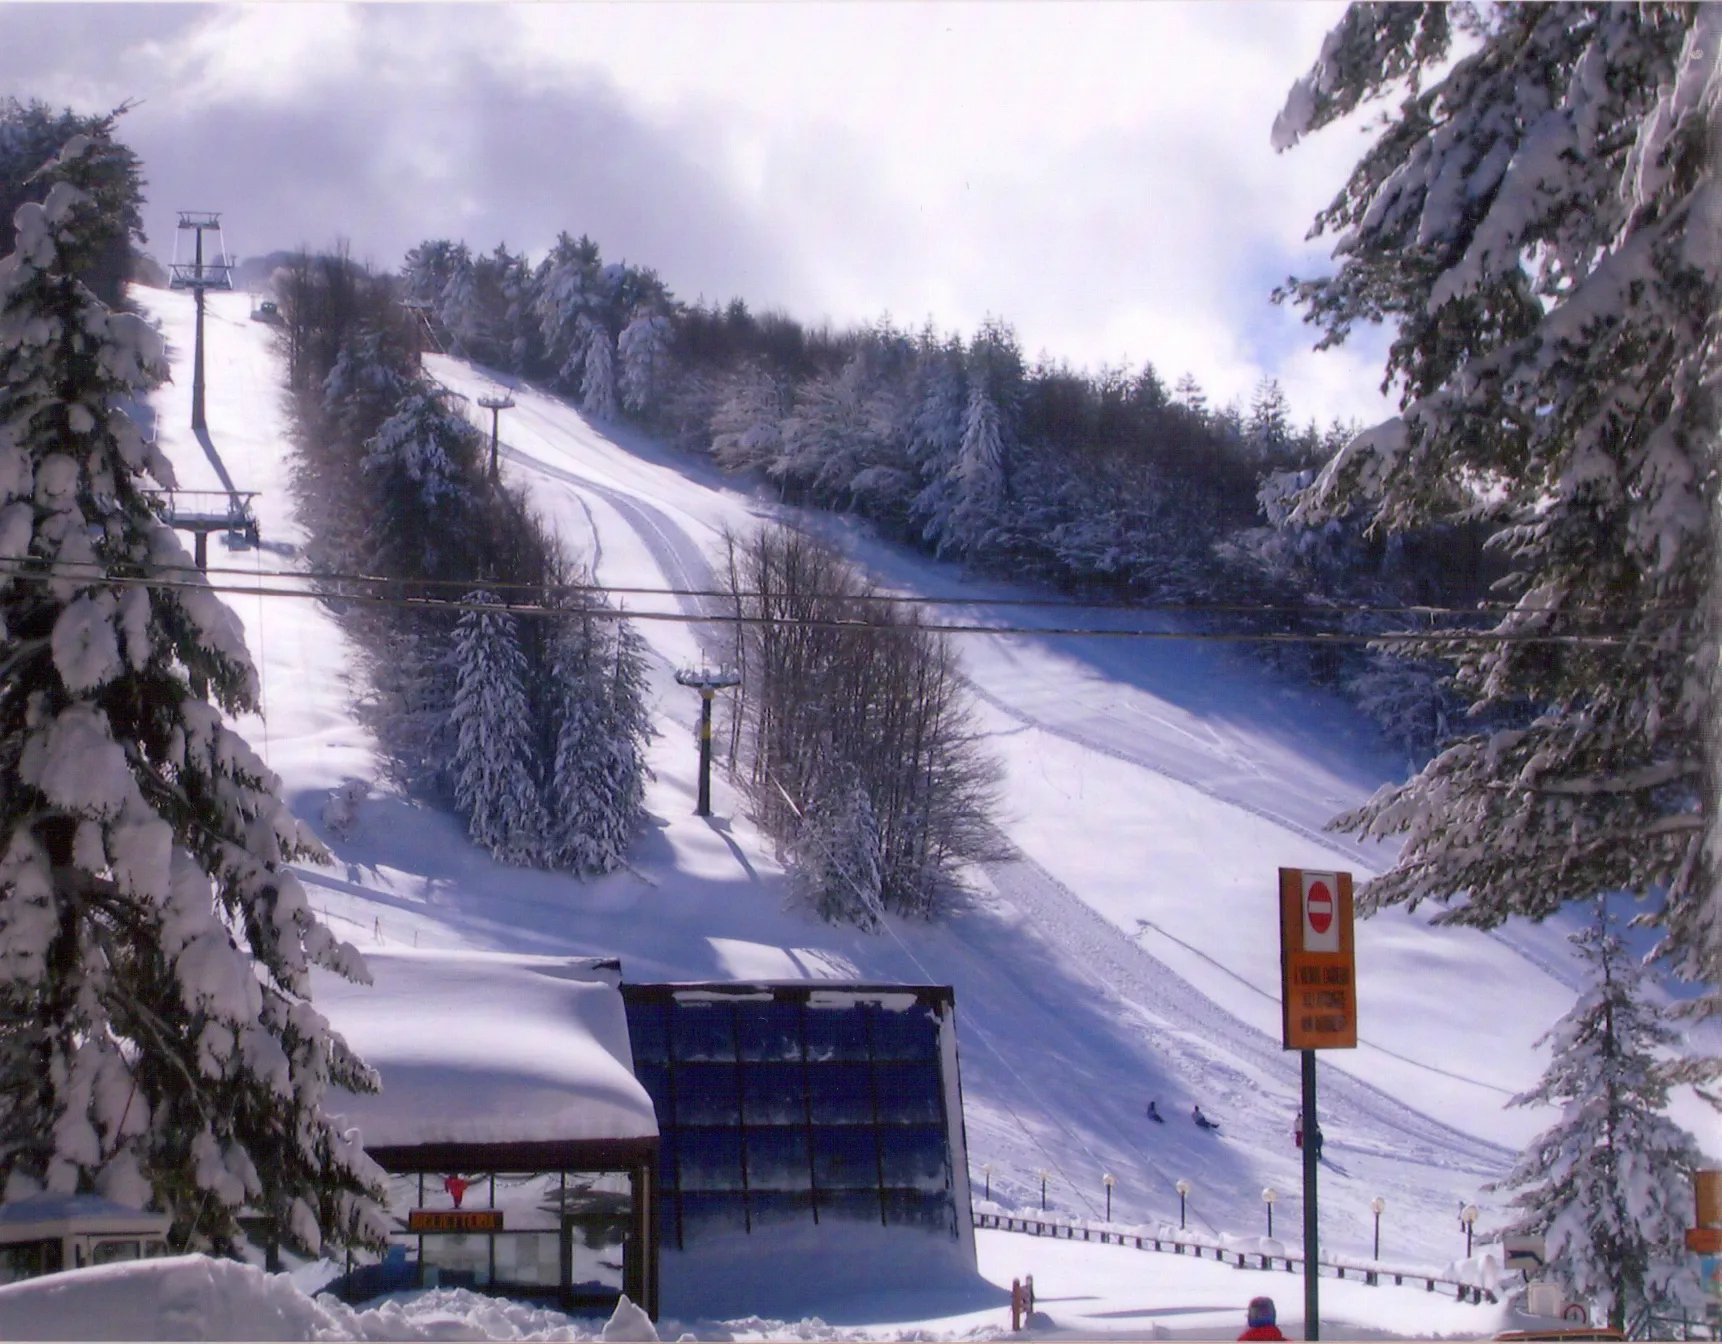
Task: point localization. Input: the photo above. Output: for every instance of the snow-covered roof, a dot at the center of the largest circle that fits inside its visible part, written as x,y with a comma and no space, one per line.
487,1048
55,1215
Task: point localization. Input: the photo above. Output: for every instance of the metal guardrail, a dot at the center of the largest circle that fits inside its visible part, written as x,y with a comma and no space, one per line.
1464,1292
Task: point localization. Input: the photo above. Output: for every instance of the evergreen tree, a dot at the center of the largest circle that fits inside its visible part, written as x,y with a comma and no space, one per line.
603,725
156,1035
1269,433
568,289
834,858
598,385
495,765
1609,1184
980,470
419,462
460,309
1188,394
936,437
1534,220
644,349
30,134
427,269
747,426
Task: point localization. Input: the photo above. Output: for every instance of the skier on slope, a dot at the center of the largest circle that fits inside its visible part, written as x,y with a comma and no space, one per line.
1202,1121
1154,1113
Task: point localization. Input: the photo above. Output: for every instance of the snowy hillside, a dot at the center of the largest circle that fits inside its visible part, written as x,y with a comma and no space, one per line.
1128,952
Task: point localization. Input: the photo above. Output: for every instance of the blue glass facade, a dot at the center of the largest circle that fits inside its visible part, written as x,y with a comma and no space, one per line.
789,1102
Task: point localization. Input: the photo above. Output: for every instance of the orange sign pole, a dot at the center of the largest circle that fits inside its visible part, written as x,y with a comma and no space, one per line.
1318,1011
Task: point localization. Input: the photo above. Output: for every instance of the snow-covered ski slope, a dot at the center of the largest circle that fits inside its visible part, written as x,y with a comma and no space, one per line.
1127,952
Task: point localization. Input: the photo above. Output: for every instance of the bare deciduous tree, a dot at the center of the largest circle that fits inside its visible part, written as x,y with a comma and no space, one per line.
841,689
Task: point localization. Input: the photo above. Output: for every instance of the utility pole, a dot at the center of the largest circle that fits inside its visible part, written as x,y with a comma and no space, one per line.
198,276
708,683
496,406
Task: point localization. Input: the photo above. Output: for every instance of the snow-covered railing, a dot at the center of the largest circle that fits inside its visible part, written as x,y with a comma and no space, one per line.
1473,1280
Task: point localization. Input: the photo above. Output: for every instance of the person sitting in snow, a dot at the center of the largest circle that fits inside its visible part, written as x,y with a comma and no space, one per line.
1154,1113
1259,1320
1202,1121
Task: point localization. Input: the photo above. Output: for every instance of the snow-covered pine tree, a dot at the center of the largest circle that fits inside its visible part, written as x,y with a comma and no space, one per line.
427,269
936,436
979,472
459,308
157,1041
833,435
602,724
747,426
598,383
568,284
1608,1185
834,856
1540,222
418,462
496,771
519,329
644,351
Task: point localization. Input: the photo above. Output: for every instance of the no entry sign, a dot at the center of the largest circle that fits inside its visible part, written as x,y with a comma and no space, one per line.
1318,992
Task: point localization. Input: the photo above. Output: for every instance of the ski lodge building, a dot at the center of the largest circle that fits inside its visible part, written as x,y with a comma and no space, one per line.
553,1133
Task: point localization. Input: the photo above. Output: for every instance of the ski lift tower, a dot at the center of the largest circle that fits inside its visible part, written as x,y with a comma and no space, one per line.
708,683
199,275
495,405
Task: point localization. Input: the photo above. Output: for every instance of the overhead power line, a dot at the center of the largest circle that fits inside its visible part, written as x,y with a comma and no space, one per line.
533,609
885,598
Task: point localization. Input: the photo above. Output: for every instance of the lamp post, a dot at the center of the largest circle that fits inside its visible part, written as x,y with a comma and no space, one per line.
1108,1180
1376,1205
1183,1189
1269,1195
987,1178
1044,1175
1468,1216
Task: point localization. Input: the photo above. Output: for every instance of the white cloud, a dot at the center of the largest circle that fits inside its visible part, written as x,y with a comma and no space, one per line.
1099,174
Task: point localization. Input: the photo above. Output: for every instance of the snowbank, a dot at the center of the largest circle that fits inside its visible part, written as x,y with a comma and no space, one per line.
488,1047
195,1297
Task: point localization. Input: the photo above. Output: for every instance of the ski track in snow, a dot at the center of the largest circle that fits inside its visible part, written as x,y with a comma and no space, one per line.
1325,839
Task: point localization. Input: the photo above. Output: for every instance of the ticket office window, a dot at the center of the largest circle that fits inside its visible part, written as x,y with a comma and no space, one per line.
560,1230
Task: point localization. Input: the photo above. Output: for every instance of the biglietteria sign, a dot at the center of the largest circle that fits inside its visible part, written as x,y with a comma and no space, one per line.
1318,970
454,1220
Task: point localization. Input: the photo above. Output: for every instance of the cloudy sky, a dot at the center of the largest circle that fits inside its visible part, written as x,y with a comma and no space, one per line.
1098,174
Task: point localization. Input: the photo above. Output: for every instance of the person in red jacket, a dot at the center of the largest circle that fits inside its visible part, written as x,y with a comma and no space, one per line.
1261,1320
